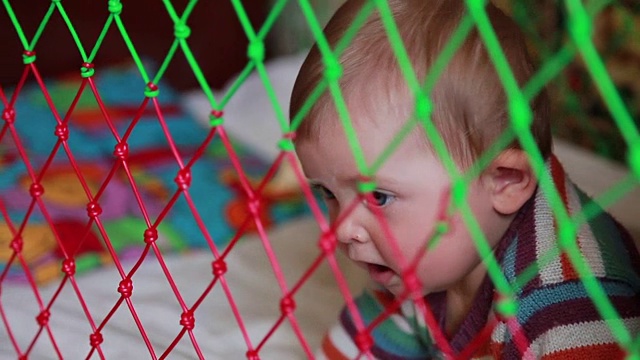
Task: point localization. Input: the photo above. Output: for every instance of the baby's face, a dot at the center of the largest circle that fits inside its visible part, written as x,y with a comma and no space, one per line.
409,192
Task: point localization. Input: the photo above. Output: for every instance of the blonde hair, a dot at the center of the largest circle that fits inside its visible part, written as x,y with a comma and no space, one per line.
470,104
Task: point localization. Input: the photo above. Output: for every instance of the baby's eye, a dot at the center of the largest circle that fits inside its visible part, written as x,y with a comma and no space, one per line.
381,199
324,192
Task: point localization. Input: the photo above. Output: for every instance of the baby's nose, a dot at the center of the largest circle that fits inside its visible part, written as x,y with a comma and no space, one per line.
350,230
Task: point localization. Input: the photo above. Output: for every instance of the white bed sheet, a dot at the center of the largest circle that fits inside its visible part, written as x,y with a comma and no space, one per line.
249,277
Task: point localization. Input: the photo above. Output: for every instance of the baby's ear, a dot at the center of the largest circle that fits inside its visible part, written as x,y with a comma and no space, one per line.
510,181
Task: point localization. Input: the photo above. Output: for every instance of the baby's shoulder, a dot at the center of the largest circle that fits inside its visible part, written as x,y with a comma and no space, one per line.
571,310
555,281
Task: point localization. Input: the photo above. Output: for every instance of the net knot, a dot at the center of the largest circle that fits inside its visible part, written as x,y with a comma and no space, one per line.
286,143
215,118
441,227
219,267
287,305
121,151
254,205
28,57
423,108
580,24
62,132
125,288
366,185
252,355
115,7
181,31
187,320
183,179
333,69
328,243
69,267
364,342
87,70
151,90
506,306
43,317
150,235
412,283
94,209
36,190
17,244
520,113
9,115
95,339
255,51
458,190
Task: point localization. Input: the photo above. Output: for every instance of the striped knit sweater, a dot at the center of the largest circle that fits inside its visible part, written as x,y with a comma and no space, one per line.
556,318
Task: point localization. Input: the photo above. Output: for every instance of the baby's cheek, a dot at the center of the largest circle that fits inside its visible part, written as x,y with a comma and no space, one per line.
446,264
436,274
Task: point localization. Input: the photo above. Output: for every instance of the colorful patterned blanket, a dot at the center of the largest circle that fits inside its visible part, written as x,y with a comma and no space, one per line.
215,188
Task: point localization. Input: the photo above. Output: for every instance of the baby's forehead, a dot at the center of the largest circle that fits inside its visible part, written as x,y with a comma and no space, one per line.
360,118
367,125
368,105
363,104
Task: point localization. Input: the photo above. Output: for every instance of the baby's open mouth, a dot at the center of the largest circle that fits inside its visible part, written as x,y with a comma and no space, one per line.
380,273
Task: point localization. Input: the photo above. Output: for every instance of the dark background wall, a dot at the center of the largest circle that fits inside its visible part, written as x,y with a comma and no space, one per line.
217,40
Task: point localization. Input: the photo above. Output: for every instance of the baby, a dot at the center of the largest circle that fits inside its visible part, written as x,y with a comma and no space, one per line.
393,215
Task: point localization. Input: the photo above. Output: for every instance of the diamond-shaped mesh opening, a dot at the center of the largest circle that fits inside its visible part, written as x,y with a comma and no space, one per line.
163,200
